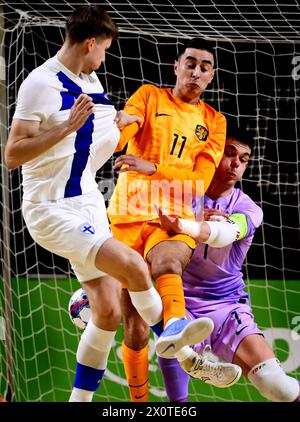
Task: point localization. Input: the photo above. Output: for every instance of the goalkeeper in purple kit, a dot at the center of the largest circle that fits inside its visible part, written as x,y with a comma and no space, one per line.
214,286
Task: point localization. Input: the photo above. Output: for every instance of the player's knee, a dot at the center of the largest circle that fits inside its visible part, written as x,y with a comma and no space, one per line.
107,312
273,383
162,265
135,271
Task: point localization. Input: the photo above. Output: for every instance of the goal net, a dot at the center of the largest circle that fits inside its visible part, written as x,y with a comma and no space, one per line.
257,84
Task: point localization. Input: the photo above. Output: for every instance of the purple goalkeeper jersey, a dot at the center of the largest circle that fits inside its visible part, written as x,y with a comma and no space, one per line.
215,273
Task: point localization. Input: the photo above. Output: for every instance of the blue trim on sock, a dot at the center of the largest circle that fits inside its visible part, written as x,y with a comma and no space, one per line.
158,328
88,378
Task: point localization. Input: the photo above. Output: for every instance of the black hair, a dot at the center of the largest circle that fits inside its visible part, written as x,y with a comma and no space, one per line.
200,44
240,134
88,22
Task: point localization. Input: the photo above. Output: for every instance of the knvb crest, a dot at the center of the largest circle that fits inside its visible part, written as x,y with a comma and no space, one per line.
201,132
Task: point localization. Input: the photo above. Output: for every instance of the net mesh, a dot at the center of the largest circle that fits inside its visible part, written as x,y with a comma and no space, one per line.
256,84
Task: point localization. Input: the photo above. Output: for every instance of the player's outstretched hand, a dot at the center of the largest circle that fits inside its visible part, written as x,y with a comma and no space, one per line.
170,224
80,111
133,163
124,119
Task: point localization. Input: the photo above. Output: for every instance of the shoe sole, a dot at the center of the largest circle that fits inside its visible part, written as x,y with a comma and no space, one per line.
235,380
207,381
195,332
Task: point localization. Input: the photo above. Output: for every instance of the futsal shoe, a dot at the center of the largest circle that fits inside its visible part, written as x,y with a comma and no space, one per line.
182,332
210,370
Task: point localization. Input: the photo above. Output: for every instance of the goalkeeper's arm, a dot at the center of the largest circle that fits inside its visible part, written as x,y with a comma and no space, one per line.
217,233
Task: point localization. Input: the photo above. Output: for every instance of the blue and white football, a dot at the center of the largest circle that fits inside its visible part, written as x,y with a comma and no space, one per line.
79,309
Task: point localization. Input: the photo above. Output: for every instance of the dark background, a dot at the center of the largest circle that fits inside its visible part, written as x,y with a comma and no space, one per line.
255,46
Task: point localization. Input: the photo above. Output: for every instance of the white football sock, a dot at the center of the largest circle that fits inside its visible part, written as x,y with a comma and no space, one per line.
148,304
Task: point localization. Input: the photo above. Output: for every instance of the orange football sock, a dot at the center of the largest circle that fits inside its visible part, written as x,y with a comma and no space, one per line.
169,287
136,370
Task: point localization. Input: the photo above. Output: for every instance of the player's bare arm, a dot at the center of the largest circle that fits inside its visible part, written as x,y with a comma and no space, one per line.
25,142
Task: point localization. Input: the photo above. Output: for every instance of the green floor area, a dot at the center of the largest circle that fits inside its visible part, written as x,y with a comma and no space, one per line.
45,342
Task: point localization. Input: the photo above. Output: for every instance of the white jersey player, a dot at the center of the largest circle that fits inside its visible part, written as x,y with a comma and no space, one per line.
64,174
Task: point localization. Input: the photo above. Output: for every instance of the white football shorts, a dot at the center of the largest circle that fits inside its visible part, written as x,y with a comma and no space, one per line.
73,228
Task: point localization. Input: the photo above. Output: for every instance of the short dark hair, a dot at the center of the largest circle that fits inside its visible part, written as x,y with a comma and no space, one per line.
240,134
200,44
88,22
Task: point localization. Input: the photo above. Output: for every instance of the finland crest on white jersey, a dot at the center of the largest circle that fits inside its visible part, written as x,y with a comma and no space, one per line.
68,168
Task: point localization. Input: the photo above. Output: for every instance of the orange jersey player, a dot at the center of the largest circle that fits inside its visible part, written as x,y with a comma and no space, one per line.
172,154
184,140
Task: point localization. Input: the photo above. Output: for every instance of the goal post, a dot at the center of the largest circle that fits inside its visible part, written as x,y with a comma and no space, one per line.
6,322
257,84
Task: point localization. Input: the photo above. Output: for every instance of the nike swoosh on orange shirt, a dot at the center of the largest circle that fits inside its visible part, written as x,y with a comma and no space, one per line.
162,114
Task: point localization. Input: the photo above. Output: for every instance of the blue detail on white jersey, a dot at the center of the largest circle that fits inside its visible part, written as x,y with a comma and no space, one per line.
100,98
87,228
74,91
83,141
83,138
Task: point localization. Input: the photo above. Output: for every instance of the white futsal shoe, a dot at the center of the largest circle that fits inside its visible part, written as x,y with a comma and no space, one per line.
210,370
